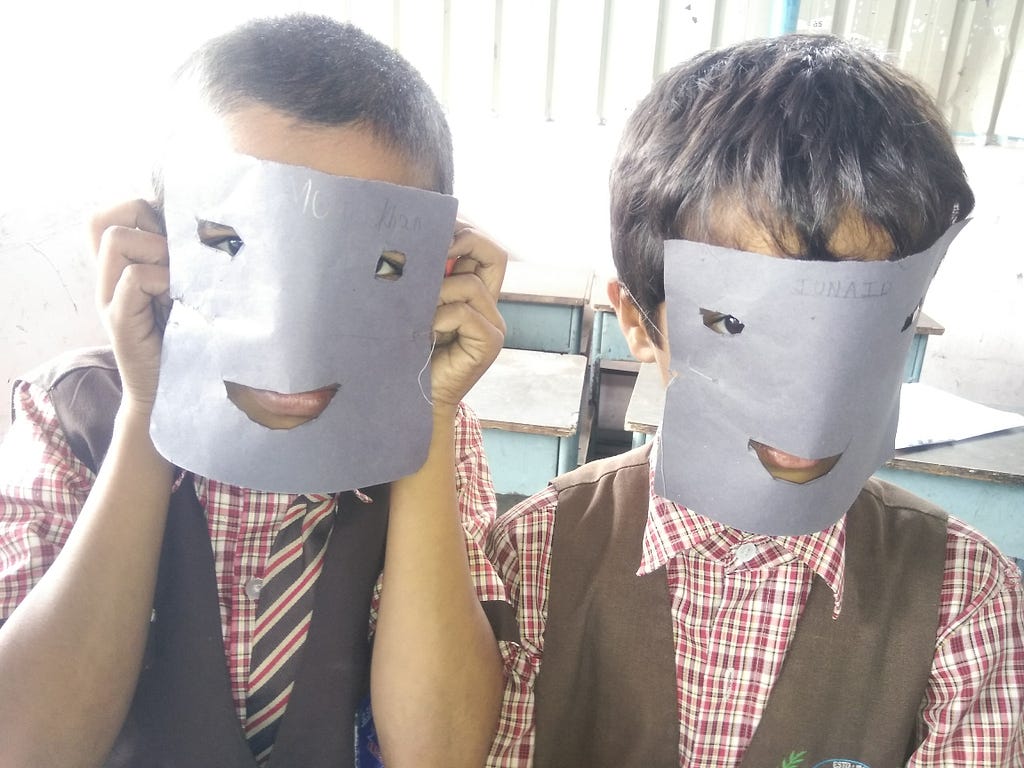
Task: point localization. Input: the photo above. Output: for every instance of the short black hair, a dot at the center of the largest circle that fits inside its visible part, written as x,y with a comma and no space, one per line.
793,133
325,72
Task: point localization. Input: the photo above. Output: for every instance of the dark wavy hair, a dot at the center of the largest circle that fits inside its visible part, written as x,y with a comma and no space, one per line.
792,134
324,72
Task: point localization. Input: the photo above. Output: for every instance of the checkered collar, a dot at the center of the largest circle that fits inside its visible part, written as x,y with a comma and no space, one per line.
673,529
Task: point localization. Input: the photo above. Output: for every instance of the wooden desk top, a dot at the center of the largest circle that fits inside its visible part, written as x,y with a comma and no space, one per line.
599,302
998,457
544,284
535,392
643,414
927,326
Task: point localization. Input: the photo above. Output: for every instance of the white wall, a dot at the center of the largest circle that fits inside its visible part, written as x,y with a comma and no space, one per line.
978,294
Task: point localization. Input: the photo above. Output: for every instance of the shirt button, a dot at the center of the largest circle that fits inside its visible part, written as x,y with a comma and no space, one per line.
745,552
253,587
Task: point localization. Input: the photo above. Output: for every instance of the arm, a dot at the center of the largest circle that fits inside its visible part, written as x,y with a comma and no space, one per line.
70,652
436,671
973,714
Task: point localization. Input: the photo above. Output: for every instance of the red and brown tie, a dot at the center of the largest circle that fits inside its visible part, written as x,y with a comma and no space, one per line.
283,615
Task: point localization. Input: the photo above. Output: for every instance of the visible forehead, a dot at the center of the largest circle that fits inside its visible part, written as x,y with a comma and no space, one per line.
353,150
853,239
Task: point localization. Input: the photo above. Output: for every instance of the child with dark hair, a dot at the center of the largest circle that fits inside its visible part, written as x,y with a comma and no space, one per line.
741,591
194,523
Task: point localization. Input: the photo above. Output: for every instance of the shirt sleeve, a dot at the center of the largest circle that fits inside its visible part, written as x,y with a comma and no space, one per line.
520,548
972,714
477,508
43,487
477,503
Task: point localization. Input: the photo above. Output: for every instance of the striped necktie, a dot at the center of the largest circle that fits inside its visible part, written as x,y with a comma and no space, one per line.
283,616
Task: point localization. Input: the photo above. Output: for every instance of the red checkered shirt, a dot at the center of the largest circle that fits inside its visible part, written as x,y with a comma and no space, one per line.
43,487
736,598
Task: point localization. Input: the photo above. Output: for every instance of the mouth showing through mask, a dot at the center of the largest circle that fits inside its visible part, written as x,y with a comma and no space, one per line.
277,410
792,469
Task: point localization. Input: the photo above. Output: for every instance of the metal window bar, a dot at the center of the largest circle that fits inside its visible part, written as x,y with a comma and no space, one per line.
549,85
602,68
845,21
499,12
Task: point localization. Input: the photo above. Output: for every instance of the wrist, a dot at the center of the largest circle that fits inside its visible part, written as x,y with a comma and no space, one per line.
444,417
135,411
440,454
132,423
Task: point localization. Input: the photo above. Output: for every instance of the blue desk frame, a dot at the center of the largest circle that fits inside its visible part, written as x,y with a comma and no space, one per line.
546,327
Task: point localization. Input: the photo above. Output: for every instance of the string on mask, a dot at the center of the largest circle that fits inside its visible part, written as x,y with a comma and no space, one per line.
644,315
419,376
658,463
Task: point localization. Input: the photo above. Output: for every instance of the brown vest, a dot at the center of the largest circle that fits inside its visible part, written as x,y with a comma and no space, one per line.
850,689
182,715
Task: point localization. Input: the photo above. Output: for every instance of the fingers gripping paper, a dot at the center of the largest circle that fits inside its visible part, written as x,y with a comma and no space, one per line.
804,357
285,281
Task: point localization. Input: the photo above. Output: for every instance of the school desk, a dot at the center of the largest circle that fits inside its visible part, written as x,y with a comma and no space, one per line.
980,480
529,404
926,327
543,306
608,341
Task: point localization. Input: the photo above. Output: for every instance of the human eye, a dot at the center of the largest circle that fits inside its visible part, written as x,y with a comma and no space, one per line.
721,322
222,237
390,265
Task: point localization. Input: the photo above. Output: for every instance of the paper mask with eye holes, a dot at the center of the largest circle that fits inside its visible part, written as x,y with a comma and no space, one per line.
778,355
305,302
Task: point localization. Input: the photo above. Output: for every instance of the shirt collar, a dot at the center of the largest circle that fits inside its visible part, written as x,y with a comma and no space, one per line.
672,529
283,500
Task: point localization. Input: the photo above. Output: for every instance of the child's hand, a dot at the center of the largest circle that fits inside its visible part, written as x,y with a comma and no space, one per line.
131,293
469,328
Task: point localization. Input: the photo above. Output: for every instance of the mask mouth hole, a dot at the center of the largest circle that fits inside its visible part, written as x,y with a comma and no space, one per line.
789,468
279,410
390,265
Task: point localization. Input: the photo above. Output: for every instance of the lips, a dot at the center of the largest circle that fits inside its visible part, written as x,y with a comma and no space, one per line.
795,469
308,404
279,410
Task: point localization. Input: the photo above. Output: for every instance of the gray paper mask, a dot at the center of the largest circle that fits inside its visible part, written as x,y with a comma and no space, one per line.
299,307
815,372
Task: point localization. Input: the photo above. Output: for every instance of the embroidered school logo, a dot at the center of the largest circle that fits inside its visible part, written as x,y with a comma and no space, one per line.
796,760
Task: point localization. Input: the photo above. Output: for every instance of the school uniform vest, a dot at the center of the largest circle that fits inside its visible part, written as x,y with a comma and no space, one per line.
850,688
182,714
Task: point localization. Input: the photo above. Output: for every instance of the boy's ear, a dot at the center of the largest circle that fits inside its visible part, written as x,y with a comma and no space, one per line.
631,322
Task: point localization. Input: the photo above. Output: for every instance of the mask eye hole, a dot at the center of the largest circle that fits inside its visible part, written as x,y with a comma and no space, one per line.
219,236
721,322
912,317
390,265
